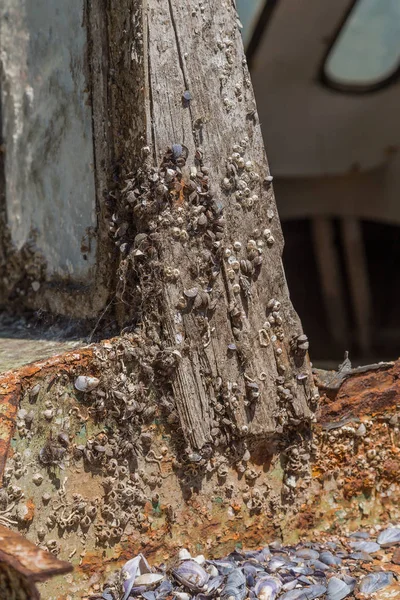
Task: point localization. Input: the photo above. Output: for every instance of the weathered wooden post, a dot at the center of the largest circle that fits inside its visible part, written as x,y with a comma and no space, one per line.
194,216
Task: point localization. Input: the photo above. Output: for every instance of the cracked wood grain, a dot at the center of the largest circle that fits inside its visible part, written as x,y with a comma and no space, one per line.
159,50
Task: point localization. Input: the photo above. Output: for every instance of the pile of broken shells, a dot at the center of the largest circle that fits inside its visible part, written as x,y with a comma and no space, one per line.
334,568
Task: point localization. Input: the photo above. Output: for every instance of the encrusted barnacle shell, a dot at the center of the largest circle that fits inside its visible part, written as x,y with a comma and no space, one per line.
191,293
182,303
86,383
37,478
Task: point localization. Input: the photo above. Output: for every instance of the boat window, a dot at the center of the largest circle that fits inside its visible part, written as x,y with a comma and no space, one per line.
366,52
249,13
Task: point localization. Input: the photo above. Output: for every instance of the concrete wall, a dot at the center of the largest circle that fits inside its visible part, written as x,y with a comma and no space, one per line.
47,131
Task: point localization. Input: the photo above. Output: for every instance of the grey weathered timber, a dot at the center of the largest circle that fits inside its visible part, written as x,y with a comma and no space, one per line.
180,78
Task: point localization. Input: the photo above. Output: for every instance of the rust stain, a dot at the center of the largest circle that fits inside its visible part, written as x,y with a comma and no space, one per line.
363,394
30,505
8,414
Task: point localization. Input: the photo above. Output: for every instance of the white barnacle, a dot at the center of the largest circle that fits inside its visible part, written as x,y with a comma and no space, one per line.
86,383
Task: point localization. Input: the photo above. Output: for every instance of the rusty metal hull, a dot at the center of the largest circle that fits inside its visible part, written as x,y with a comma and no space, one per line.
69,487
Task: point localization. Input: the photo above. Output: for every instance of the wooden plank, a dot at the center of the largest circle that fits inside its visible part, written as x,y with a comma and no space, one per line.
202,216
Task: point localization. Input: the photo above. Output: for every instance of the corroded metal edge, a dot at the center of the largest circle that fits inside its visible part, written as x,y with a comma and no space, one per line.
13,382
362,393
29,560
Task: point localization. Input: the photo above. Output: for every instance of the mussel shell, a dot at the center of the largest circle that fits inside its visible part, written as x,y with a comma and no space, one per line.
301,570
149,595
214,584
305,580
307,554
277,562
337,589
329,559
164,589
389,537
235,587
369,547
267,588
319,565
251,569
236,578
293,595
350,581
233,593
129,571
191,575
224,566
182,595
362,535
289,585
361,556
315,591
375,581
308,593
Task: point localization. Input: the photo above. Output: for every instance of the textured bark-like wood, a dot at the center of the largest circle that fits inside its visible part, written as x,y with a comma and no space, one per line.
179,77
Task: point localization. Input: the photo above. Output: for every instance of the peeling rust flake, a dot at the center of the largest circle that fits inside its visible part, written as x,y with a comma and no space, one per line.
26,558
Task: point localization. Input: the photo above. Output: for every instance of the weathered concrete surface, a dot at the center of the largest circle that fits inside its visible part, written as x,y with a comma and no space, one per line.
47,133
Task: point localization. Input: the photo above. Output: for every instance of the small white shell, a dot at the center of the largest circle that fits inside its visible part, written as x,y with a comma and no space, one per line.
182,595
361,431
148,579
86,383
184,554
